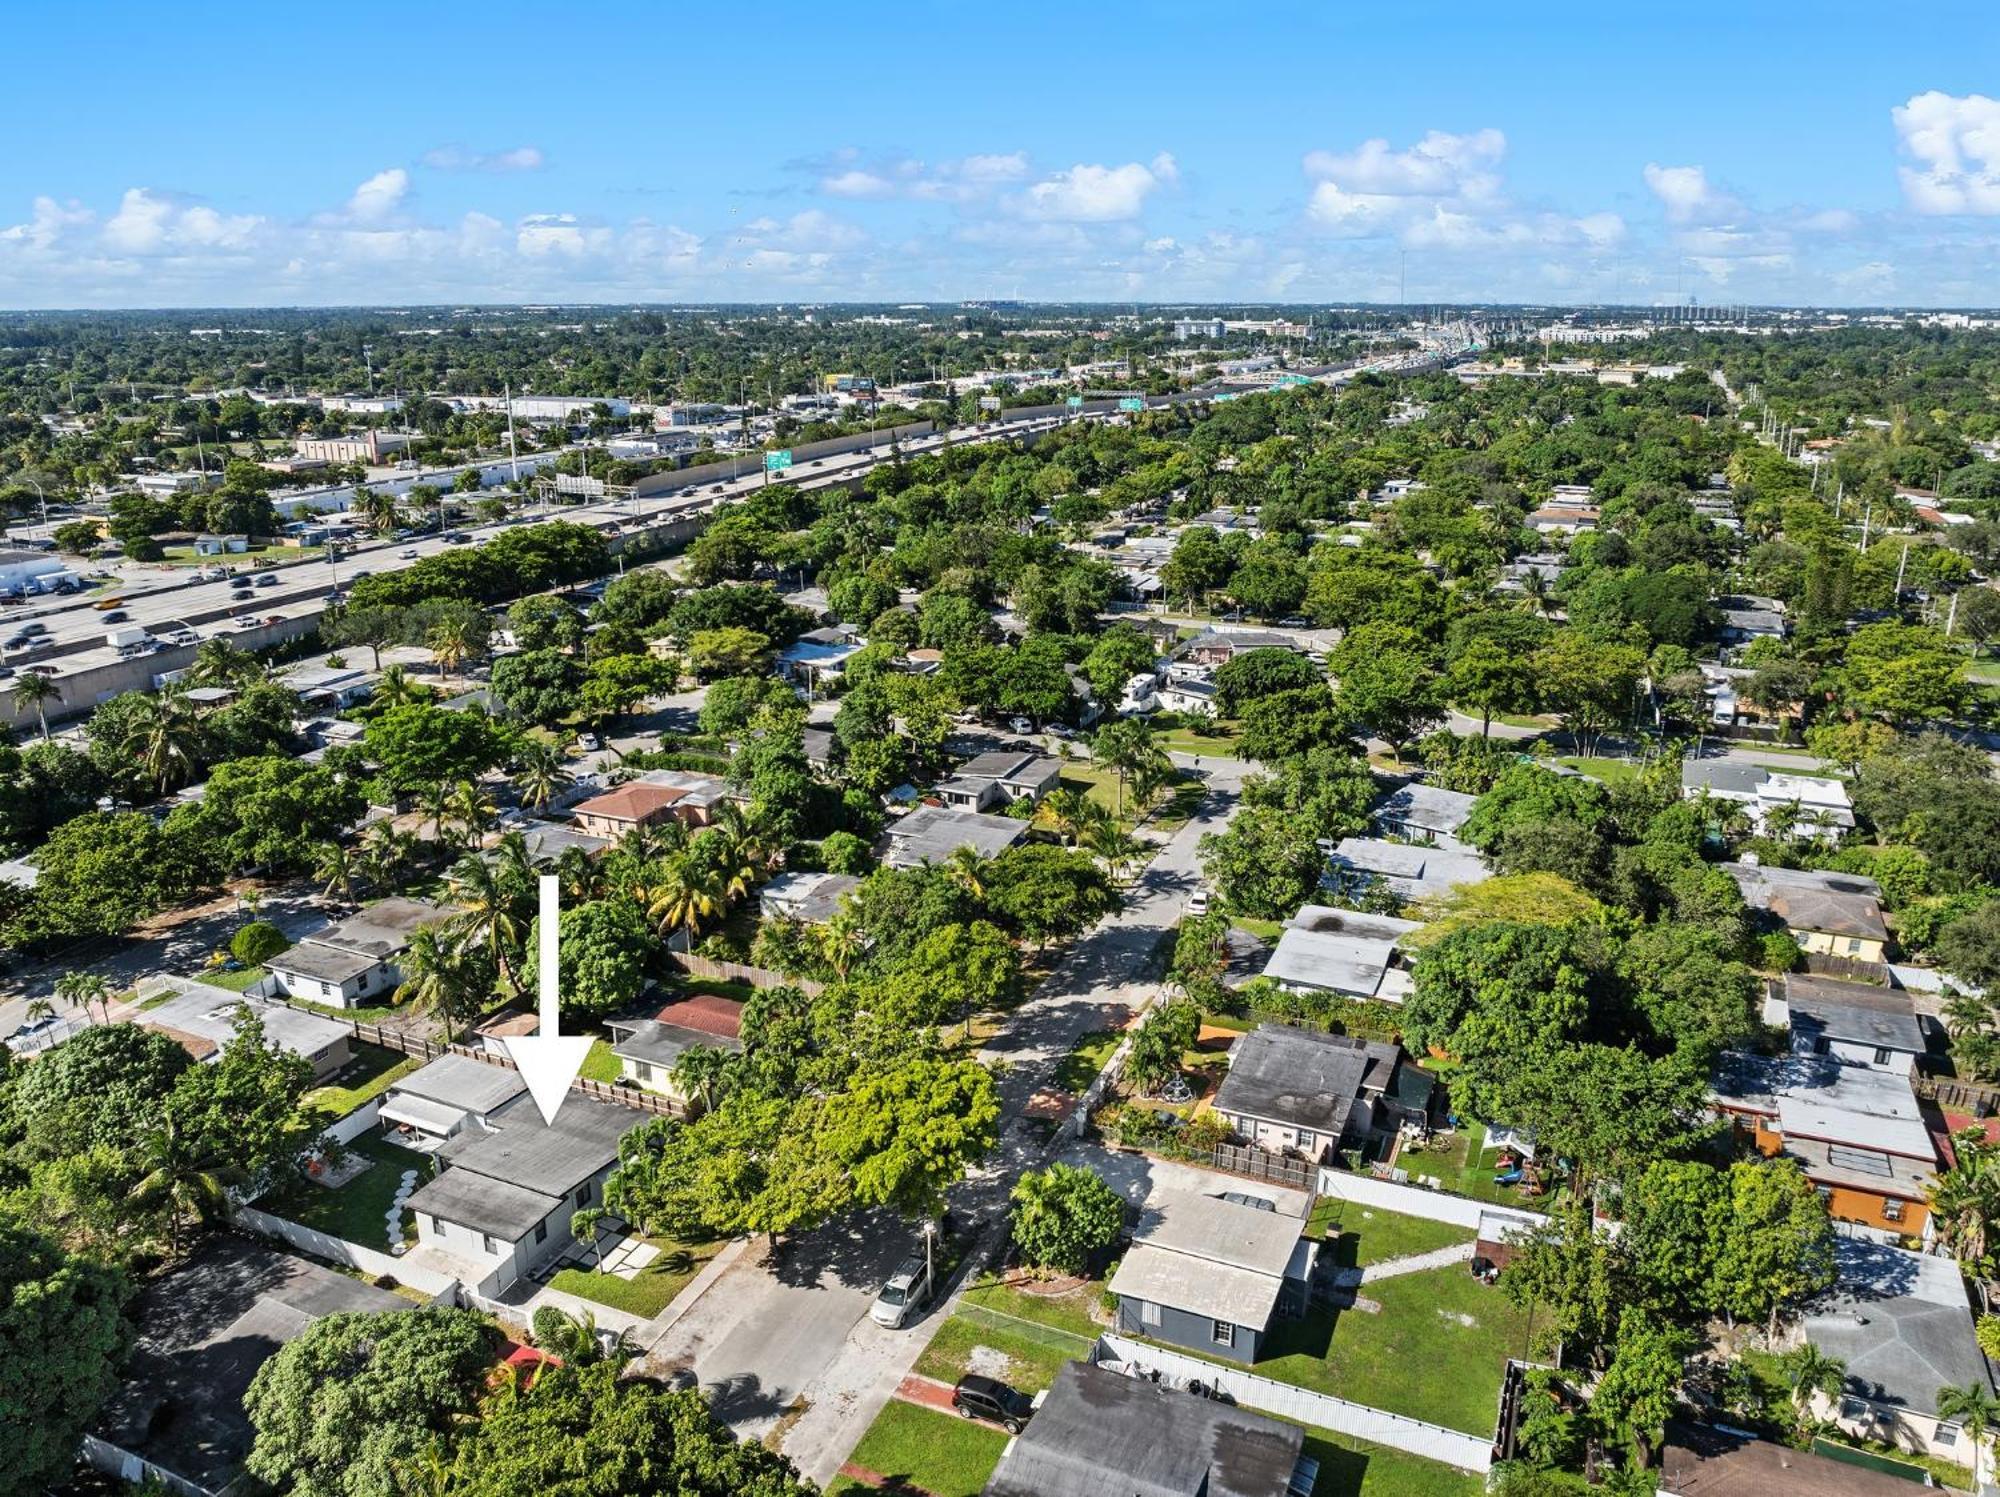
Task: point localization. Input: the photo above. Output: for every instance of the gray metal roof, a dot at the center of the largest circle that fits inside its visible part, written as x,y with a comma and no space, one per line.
1099,1433
812,897
464,1083
1901,1323
1856,1012
933,833
1426,806
1301,1078
1722,776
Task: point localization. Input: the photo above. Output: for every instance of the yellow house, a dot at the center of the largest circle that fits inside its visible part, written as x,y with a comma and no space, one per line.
1829,914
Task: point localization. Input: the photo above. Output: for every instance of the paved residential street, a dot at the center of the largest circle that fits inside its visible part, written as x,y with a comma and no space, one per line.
766,1336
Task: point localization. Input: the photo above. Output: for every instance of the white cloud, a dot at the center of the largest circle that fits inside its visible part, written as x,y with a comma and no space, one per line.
963,180
140,224
50,221
856,183
1099,194
1438,166
1956,144
457,159
1687,195
379,196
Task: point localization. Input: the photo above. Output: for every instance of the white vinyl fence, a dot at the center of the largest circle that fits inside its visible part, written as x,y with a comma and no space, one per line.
1411,1200
1322,1410
441,1287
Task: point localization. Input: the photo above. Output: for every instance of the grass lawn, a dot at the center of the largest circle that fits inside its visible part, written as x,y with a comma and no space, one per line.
945,1455
1396,1358
1354,1468
1086,1058
1066,1312
1610,771
372,1071
1468,1171
1216,743
1368,1234
1031,1362
1263,930
600,1064
235,981
654,1287
1183,799
357,1211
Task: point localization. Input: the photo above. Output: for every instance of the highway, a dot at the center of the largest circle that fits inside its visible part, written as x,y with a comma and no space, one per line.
76,626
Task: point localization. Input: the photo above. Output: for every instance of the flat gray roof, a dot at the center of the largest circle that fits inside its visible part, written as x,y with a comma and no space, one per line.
660,1044
499,1208
211,1013
324,962
383,928
1099,1432
1331,962
464,1083
553,1159
934,832
1426,806
1856,1012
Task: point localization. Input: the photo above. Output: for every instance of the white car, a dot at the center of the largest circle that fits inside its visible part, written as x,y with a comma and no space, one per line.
1022,725
588,742
1197,904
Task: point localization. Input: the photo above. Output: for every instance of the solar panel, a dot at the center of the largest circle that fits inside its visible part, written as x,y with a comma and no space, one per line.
1862,1161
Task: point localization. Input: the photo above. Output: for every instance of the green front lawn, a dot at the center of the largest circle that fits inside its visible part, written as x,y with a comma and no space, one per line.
1468,1171
1609,771
600,1064
652,1290
1218,744
1435,1350
1067,1311
1086,1058
372,1071
1031,1364
941,1453
1362,1235
357,1211
235,981
1354,1468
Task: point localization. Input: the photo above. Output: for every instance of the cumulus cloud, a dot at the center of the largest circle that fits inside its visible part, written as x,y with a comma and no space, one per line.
1099,194
458,159
140,224
379,196
49,222
1444,192
1687,195
1955,143
962,180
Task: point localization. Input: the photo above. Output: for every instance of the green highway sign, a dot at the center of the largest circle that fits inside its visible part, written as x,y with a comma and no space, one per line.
777,462
1131,403
1075,402
1228,395
1290,381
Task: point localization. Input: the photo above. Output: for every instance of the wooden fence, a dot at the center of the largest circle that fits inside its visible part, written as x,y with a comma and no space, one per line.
1847,968
1262,1164
425,1049
1981,1099
756,977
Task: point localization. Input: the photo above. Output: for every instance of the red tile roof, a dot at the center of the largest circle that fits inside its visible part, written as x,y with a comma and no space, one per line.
632,802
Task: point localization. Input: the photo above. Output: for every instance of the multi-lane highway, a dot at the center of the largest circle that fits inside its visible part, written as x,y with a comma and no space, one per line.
73,646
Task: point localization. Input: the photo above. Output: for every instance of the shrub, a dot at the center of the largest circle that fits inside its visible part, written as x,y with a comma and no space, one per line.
257,942
1778,952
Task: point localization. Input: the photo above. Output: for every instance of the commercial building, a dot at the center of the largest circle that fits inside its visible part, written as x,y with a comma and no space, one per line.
362,447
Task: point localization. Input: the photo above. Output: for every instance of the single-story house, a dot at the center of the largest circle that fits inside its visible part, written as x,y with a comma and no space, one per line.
1857,1022
354,961
813,898
1423,814
1301,1091
1563,519
1706,1460
649,1049
442,1099
933,833
1189,695
1220,646
1743,618
204,1328
204,1019
331,686
1211,1274
1796,804
818,744
1328,950
1406,870
1098,1431
1858,1133
1828,914
501,1208
221,545
549,840
1000,777
1902,1325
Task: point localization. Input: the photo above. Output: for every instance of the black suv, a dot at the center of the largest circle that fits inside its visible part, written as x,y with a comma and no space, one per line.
988,1398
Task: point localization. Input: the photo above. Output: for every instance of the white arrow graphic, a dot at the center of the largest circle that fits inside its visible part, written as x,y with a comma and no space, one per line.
549,1060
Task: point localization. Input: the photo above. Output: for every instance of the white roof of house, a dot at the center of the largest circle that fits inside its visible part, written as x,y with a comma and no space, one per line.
1333,962
1212,1257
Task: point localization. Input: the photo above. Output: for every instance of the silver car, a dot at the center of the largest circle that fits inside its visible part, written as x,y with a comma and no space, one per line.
908,1290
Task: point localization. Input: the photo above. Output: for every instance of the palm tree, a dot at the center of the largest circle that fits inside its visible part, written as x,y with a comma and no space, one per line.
450,641
578,872
516,867
33,689
386,852
1810,1373
380,509
1965,1199
166,737
39,1009
699,1072
493,914
1116,846
1977,1411
441,980
838,941
967,868
540,772
1127,746
219,663
471,810
190,1186
687,893
396,689
1066,809
334,868
83,989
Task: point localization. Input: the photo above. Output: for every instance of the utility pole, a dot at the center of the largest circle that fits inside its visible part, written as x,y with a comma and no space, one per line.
1951,616
513,452
1901,562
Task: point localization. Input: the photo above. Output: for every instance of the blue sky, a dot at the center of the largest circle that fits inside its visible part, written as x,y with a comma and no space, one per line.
209,155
